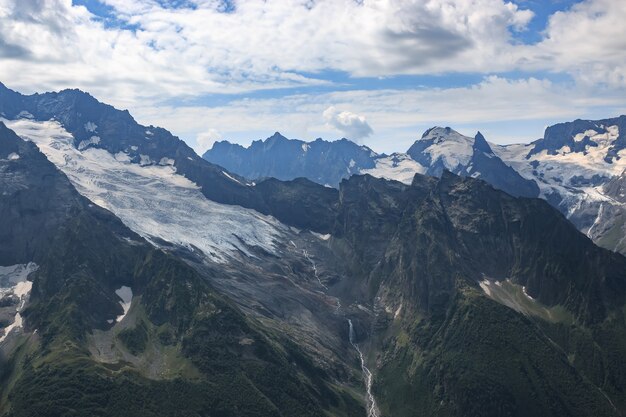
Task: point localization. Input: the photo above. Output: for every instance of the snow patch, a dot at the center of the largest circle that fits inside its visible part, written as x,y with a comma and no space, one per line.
91,127
126,294
486,286
321,236
399,167
305,147
122,157
13,156
144,160
25,115
526,294
230,177
94,140
352,163
166,162
580,136
398,311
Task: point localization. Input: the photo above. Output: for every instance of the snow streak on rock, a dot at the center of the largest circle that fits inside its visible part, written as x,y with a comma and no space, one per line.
14,286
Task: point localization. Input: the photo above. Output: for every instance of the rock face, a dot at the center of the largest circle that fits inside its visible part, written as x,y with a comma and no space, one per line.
440,341
463,299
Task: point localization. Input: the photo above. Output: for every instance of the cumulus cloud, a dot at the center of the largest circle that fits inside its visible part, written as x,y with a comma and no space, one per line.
206,139
588,41
352,125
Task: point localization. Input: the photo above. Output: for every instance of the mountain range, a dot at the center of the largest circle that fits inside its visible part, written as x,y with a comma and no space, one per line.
139,279
575,167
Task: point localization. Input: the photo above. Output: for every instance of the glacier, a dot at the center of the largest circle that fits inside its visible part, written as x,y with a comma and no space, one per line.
153,200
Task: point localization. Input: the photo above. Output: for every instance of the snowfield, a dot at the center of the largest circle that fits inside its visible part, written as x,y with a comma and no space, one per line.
153,200
578,177
566,168
14,283
449,148
399,167
453,149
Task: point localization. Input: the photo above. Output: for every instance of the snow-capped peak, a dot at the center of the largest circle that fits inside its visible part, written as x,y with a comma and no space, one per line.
445,146
440,134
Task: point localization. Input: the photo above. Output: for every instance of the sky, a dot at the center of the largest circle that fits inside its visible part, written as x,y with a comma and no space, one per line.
379,72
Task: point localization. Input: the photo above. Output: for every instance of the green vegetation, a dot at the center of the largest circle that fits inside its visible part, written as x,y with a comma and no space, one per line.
135,338
484,359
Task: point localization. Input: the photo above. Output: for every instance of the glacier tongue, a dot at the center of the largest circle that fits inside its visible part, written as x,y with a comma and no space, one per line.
153,200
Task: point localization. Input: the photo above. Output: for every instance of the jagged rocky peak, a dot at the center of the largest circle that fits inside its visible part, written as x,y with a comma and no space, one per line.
322,161
480,144
277,137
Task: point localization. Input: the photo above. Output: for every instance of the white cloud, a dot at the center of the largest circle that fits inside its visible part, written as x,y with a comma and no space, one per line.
206,139
352,125
588,41
179,53
260,45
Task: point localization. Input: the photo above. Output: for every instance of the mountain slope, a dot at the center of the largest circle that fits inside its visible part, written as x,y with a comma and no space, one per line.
570,167
480,303
88,124
81,349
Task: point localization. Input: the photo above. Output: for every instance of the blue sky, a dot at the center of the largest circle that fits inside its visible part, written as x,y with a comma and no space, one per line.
379,72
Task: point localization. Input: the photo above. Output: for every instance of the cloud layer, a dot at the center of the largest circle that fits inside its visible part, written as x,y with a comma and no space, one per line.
153,50
147,54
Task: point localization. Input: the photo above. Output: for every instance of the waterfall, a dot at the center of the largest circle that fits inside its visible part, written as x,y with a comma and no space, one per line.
372,409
